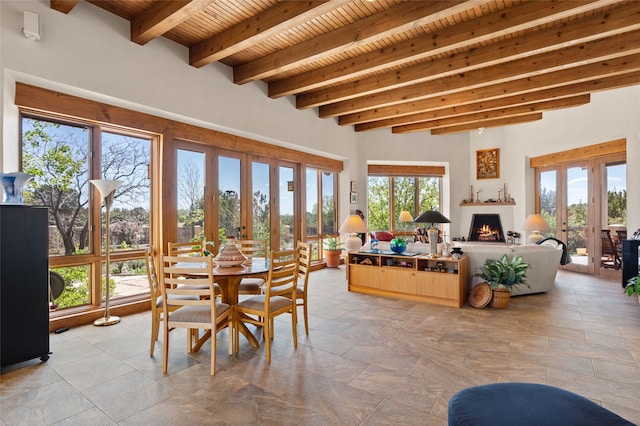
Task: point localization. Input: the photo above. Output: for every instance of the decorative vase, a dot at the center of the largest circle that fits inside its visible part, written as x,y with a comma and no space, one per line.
500,297
12,184
230,255
456,252
397,245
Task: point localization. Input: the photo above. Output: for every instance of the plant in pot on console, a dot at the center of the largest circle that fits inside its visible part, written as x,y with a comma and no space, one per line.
332,251
502,275
633,287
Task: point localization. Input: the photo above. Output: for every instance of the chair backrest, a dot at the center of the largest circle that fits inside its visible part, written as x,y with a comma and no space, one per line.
621,234
283,273
189,248
152,276
182,281
253,248
607,243
305,250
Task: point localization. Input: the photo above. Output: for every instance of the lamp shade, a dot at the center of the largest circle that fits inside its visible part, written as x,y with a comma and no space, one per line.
106,186
431,216
405,216
353,224
536,222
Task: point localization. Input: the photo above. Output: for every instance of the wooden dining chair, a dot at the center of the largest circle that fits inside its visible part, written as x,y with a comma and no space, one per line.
278,298
188,248
155,294
251,249
305,250
610,257
187,305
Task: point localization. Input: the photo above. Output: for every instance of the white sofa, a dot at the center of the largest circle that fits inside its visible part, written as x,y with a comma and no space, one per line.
544,261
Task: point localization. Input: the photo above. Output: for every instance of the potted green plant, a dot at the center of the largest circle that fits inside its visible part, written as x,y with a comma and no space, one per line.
633,287
503,275
332,251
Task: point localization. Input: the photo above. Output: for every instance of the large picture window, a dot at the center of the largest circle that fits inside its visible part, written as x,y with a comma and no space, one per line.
59,156
390,192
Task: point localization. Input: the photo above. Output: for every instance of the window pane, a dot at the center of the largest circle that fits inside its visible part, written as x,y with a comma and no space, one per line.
312,202
261,209
404,193
548,198
229,197
190,195
379,208
127,159
429,194
76,289
577,197
616,176
328,203
286,189
57,156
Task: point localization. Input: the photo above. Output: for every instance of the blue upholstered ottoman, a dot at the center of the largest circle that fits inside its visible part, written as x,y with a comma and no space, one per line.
522,404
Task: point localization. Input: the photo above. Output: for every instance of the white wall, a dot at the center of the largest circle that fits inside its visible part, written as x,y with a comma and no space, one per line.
611,115
88,53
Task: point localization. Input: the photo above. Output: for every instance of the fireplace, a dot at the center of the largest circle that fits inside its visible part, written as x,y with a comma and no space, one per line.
486,228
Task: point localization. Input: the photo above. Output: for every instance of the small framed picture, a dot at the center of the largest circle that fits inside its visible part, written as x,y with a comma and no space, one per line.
354,186
354,198
488,163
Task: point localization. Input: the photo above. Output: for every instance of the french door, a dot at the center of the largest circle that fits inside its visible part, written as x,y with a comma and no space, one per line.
581,198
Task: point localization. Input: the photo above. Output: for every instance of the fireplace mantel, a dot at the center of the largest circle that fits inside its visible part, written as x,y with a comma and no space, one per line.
501,203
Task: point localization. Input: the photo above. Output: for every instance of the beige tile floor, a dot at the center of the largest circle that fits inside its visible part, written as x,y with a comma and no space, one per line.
367,360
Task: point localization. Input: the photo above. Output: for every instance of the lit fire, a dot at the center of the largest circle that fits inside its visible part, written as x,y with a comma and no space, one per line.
485,233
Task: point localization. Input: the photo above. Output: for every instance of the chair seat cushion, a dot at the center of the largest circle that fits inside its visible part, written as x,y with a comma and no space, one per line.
197,313
257,303
525,404
251,284
175,296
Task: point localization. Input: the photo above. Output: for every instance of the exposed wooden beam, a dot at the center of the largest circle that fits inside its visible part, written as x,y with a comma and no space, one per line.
368,30
555,79
162,17
63,6
258,28
480,117
460,36
545,63
543,41
488,123
433,113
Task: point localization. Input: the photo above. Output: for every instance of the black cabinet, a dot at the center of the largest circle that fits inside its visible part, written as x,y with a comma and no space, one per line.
24,284
630,260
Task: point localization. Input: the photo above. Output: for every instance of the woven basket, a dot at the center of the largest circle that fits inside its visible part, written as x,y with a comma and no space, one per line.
500,298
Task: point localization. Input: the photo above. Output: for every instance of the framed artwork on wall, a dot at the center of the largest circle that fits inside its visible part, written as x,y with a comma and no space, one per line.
354,186
488,163
354,198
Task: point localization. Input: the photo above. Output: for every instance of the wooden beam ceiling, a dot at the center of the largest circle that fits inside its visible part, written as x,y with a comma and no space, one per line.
439,66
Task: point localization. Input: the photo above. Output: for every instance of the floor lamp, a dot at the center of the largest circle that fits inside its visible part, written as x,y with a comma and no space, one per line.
107,188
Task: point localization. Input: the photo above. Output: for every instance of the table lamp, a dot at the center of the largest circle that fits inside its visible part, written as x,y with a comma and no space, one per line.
353,225
535,224
405,217
107,188
432,217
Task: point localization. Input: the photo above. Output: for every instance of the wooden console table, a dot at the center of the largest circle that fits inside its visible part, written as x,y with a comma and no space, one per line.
441,281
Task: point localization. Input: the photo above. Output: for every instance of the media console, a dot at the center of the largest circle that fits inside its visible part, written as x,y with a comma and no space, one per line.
412,276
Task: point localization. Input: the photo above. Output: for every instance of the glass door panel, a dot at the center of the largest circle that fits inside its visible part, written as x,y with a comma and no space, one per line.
260,202
190,194
229,173
311,205
577,217
286,207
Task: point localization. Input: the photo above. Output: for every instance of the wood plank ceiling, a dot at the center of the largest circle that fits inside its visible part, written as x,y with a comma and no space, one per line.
443,66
